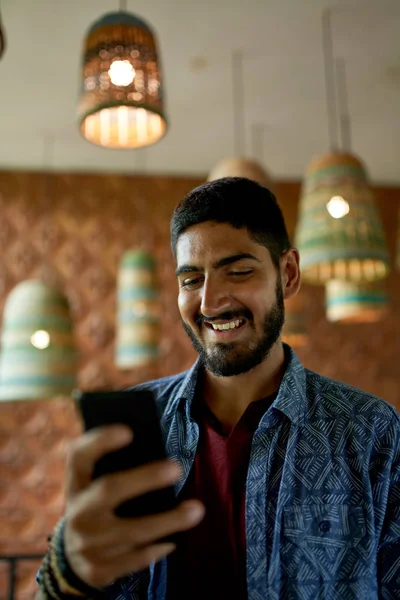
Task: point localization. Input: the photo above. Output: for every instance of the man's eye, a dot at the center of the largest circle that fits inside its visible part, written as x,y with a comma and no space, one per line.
240,273
191,282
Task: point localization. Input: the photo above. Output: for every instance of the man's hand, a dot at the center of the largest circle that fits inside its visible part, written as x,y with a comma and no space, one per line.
101,547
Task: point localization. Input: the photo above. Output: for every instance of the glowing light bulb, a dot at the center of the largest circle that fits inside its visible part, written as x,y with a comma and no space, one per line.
121,72
40,339
337,207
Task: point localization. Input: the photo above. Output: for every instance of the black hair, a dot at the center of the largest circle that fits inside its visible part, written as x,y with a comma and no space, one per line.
240,202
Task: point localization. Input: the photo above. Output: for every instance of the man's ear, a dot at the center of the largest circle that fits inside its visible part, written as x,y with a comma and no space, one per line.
290,273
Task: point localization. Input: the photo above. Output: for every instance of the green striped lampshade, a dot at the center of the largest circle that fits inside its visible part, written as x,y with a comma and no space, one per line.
350,247
355,303
121,102
138,322
38,358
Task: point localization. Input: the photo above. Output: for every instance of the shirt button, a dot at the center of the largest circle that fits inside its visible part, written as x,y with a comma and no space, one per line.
188,454
325,526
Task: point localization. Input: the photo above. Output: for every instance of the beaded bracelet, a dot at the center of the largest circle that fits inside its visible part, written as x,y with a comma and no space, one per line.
56,571
67,575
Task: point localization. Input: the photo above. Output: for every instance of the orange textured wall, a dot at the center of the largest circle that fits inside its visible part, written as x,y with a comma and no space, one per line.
73,229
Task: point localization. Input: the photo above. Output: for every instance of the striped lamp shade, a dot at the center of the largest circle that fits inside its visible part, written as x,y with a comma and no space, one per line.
355,303
38,358
121,102
294,331
240,167
138,322
350,247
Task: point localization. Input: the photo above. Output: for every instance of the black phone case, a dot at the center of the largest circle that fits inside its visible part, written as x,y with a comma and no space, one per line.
138,410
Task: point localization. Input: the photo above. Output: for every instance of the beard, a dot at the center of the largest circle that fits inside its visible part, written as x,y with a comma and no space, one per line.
228,359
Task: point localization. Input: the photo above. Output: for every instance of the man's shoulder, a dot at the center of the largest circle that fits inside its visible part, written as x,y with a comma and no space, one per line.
165,389
329,395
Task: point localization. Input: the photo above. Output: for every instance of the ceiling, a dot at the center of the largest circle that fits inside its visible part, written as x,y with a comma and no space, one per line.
283,71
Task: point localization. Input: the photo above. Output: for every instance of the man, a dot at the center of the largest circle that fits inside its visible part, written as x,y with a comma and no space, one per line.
289,482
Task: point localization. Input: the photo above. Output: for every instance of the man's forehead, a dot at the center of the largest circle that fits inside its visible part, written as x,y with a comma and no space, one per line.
211,242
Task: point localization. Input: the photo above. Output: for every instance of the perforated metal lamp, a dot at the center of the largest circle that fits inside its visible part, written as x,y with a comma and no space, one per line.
351,247
138,322
121,103
38,358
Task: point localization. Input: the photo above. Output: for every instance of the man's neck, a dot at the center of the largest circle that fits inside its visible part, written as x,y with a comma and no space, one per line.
229,397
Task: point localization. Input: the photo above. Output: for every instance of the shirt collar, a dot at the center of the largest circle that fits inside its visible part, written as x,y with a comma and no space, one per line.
291,399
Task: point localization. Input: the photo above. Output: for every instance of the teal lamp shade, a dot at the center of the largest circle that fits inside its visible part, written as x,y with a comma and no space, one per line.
339,232
138,322
121,102
38,358
348,302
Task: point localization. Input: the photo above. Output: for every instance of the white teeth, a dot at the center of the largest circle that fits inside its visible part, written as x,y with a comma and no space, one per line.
226,326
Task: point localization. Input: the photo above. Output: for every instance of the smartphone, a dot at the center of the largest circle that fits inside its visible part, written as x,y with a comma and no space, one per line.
138,410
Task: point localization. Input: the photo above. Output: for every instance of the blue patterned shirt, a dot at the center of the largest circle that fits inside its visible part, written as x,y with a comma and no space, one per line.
322,491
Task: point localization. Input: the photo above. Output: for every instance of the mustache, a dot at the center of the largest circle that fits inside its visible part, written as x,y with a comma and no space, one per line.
229,315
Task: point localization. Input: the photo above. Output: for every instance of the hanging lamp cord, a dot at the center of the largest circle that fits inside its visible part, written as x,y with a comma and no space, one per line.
329,71
122,5
238,104
343,103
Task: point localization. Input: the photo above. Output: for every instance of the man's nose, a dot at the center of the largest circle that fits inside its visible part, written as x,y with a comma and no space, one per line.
215,298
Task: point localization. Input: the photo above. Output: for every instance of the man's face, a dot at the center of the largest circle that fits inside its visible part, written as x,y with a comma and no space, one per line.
230,297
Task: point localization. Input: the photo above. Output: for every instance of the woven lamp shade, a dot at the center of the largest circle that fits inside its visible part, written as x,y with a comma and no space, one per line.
38,358
355,303
351,248
240,167
138,323
294,331
121,102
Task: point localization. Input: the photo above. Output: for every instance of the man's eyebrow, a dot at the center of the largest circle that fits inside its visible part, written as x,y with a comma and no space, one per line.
227,260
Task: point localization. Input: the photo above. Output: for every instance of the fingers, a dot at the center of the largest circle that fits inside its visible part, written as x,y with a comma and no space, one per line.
121,535
106,493
130,547
85,451
99,574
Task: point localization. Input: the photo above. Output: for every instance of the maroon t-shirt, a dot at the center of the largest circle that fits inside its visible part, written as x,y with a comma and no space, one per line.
210,561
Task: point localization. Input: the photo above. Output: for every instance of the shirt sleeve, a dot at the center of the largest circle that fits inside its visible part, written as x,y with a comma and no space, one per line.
389,546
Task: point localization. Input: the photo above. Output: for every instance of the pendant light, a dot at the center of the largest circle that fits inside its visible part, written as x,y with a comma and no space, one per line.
138,322
38,358
121,103
346,301
339,232
355,303
238,165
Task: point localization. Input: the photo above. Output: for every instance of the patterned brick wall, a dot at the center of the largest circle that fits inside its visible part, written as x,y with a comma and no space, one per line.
72,229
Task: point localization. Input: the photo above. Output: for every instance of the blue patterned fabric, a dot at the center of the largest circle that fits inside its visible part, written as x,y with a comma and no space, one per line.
322,493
